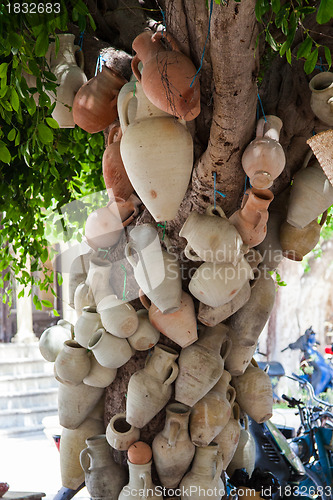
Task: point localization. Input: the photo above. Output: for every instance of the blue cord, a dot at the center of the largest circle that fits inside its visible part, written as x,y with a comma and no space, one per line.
204,49
216,191
262,108
81,39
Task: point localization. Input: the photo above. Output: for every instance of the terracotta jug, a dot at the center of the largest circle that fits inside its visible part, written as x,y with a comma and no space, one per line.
146,335
201,365
150,389
212,413
104,478
95,104
204,478
52,340
157,152
140,485
251,219
72,363
99,376
263,160
115,177
72,442
311,194
88,323
180,326
167,75
254,385
212,238
245,454
110,351
321,101
118,317
211,316
78,270
75,402
120,434
156,271
216,284
173,450
249,321
70,77
297,242
105,225
229,436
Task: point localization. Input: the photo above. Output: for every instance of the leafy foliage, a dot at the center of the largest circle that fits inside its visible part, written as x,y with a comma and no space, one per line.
41,165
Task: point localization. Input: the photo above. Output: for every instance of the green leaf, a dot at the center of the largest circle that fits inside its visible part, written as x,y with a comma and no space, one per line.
55,312
271,41
288,56
92,22
311,61
59,279
42,44
325,11
305,48
3,70
328,56
46,303
283,48
276,6
5,155
44,133
21,294
15,40
52,122
11,135
14,99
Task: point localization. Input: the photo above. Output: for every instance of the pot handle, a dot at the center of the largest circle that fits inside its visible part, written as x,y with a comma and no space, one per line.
330,102
219,465
323,218
122,106
144,300
263,218
115,130
135,67
231,393
210,211
80,56
190,254
85,459
157,37
143,476
236,411
173,434
173,375
226,348
246,422
128,255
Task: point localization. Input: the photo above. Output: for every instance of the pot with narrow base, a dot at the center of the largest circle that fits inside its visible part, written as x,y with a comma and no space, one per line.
140,485
75,402
150,389
87,324
146,335
244,456
228,438
173,450
72,363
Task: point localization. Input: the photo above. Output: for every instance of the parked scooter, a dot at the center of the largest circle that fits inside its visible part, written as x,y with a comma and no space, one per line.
320,374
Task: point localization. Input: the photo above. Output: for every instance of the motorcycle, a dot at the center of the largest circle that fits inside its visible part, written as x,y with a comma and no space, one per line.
317,370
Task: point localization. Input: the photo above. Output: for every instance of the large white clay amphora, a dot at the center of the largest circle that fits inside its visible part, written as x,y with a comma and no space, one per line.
321,101
157,152
156,271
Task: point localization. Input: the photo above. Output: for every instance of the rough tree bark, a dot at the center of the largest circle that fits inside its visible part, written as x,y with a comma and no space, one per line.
226,124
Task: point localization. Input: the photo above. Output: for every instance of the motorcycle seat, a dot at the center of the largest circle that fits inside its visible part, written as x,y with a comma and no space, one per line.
275,368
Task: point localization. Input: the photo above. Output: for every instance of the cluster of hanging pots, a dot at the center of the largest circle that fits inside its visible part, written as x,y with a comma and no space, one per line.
210,379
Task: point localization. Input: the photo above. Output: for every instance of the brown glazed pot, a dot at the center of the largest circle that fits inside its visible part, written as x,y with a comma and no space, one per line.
95,104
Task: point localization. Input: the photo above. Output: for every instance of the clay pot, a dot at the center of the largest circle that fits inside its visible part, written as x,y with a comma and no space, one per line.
150,389
167,75
52,340
139,453
78,273
311,194
244,456
180,326
88,323
156,271
263,160
211,316
212,238
212,413
228,438
216,284
157,152
240,355
98,278
99,376
204,477
297,242
104,478
110,351
146,335
83,299
70,77
115,177
72,363
75,402
251,219
173,450
201,365
72,442
321,101
104,226
254,385
118,317
120,434
140,485
249,321
95,104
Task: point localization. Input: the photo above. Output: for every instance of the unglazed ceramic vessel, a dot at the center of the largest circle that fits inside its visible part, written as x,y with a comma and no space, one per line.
321,101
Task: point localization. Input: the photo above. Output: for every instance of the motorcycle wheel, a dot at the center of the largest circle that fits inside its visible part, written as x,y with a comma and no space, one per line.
313,482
